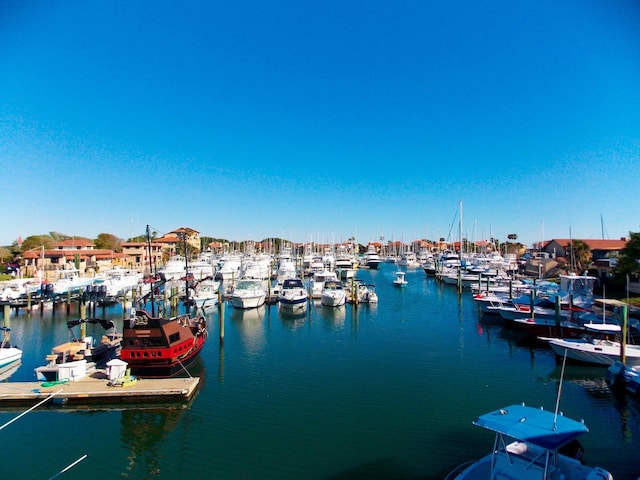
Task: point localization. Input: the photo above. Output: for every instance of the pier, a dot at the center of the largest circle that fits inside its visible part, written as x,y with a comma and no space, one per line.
95,389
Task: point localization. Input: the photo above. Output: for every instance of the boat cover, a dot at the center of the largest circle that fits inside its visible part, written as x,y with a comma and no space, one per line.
532,425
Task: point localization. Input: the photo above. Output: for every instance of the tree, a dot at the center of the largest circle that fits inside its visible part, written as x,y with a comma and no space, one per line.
37,241
580,255
107,241
629,259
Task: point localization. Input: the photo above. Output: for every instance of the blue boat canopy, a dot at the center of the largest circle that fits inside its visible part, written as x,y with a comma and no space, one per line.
532,425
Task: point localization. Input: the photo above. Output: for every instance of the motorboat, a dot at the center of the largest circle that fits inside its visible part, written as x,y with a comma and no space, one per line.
293,296
371,258
319,279
70,281
8,354
621,376
248,293
204,293
175,268
596,351
400,280
85,352
333,295
530,443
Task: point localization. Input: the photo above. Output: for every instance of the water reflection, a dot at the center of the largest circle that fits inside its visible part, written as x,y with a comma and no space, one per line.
334,317
143,431
250,324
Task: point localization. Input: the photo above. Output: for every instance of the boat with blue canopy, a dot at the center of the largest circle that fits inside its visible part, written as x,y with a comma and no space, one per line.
531,443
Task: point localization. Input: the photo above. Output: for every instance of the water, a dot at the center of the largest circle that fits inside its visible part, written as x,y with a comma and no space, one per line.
382,392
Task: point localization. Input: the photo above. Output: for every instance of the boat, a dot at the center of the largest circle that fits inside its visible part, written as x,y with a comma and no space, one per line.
70,281
319,279
160,346
18,289
8,354
371,258
400,280
175,268
83,351
621,376
596,351
530,443
408,260
333,295
204,293
248,293
293,296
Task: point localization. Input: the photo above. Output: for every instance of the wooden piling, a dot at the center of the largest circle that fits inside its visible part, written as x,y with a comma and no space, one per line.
623,343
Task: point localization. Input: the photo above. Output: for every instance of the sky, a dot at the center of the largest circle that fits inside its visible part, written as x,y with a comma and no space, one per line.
321,120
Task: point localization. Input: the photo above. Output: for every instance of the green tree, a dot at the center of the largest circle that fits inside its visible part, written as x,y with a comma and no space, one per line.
629,259
37,241
107,241
580,255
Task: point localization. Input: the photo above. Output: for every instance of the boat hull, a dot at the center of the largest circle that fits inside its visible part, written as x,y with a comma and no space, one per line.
595,352
9,356
168,368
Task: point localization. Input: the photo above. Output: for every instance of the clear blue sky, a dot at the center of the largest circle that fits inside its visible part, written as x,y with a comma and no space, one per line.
320,120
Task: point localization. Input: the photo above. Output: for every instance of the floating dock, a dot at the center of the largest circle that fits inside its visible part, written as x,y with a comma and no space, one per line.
94,389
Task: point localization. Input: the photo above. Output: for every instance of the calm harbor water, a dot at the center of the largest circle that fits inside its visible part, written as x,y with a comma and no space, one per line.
383,392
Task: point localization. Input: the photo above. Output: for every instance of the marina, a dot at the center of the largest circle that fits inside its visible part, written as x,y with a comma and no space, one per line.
369,390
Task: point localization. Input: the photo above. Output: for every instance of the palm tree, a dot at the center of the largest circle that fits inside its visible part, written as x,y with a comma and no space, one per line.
580,255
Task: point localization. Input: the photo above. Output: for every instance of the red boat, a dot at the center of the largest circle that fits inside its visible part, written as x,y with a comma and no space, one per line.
161,346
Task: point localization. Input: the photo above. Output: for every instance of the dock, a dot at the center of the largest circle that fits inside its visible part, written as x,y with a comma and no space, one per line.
94,389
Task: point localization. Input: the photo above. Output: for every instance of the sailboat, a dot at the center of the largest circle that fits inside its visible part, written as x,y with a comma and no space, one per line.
159,346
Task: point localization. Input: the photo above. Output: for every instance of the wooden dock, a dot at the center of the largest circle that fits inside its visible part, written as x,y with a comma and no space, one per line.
95,390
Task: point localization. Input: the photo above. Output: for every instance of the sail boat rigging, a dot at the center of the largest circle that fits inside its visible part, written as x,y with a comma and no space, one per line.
159,346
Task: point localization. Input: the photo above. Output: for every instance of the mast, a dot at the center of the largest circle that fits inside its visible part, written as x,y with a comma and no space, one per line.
151,273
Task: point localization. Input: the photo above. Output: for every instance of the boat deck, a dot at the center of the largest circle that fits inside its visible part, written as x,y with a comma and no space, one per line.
94,389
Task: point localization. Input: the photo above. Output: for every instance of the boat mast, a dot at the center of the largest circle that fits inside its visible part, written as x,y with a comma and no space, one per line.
151,273
183,235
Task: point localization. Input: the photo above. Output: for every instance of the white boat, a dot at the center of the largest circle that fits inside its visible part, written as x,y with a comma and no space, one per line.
8,354
229,268
594,350
530,443
318,281
293,296
119,282
204,294
333,295
371,258
70,281
408,260
345,263
174,269
248,293
18,288
400,280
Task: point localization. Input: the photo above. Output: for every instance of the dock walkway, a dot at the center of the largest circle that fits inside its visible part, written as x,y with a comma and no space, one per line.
94,389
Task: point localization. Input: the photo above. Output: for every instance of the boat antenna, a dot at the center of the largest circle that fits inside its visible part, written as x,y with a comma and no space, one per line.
555,416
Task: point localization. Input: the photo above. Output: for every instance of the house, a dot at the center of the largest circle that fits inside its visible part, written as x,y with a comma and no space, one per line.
172,239
142,255
71,253
550,255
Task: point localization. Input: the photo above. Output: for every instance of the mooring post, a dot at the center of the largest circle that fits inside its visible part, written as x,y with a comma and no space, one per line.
221,305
